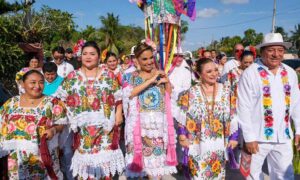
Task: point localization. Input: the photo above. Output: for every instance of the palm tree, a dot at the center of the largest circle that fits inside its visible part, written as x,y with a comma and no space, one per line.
296,36
111,31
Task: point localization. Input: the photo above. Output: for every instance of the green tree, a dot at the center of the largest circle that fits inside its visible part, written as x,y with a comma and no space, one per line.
111,31
6,7
296,36
184,29
279,29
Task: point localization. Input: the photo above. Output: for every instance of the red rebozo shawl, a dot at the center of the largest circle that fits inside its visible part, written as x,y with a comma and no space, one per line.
46,158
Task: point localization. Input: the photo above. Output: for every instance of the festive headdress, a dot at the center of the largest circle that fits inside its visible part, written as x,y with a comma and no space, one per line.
77,49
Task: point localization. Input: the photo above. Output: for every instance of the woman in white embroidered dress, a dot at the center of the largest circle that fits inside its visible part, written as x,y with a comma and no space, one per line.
92,96
233,77
24,120
206,118
149,129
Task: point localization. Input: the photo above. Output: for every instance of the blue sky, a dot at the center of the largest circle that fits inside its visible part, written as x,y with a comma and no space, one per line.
216,18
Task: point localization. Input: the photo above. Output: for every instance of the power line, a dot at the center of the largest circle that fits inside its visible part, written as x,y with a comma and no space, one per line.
248,21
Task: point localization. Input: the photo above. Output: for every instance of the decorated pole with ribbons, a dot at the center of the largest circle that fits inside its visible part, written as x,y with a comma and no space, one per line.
162,26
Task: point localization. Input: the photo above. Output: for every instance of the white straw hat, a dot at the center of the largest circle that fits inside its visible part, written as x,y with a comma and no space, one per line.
273,39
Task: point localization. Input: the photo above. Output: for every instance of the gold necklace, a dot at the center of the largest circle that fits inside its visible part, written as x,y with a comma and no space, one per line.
210,112
31,101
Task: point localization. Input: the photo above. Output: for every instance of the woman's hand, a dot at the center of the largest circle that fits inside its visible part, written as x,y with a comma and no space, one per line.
232,144
156,75
50,133
183,141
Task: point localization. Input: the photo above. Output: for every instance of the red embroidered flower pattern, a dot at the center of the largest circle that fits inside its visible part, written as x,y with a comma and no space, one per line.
111,100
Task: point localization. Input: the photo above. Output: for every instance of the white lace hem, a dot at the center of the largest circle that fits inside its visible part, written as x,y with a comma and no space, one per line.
92,118
25,145
104,163
153,166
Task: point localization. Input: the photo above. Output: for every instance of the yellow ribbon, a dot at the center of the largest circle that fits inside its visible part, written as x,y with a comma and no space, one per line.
168,67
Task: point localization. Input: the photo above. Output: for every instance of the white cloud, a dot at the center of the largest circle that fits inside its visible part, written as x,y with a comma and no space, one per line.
255,13
227,11
207,12
235,1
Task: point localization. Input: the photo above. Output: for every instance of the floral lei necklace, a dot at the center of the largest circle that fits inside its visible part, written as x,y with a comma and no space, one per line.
267,101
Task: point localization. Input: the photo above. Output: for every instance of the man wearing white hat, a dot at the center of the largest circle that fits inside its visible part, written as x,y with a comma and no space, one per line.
268,99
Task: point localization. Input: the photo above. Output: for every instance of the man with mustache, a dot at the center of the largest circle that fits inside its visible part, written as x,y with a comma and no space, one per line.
268,99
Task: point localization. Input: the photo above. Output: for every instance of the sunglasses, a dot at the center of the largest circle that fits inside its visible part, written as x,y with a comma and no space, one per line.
239,50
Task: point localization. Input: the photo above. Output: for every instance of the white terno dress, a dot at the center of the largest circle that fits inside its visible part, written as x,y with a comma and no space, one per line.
147,110
208,138
91,111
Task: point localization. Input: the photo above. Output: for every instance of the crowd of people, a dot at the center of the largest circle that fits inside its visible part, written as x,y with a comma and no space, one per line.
93,119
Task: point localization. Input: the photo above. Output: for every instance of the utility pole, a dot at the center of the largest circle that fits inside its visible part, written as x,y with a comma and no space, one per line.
274,14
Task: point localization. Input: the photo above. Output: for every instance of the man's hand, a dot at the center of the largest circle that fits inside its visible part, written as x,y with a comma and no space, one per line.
232,144
297,142
183,141
252,147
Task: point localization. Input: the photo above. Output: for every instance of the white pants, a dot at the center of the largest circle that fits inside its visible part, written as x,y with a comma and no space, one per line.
279,157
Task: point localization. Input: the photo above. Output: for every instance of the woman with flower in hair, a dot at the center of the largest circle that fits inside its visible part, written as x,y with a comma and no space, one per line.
25,121
32,63
92,96
149,130
206,127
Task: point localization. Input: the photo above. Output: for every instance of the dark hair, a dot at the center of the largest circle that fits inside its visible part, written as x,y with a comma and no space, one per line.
49,67
58,49
28,73
246,53
91,44
29,57
108,55
201,62
69,50
140,48
220,56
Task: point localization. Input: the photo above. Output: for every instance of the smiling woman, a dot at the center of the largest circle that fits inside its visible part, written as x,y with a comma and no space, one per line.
92,96
24,120
150,141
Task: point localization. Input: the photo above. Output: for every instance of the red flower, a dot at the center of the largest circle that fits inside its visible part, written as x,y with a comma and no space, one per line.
269,124
96,104
15,117
55,101
231,75
283,73
269,119
263,73
103,96
29,118
111,100
73,100
42,121
286,118
92,130
267,95
71,75
97,141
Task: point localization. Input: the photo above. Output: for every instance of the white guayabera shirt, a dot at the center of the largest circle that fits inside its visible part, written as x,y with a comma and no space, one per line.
250,104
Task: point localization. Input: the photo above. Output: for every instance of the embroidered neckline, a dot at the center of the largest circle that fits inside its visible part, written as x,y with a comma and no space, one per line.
267,101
